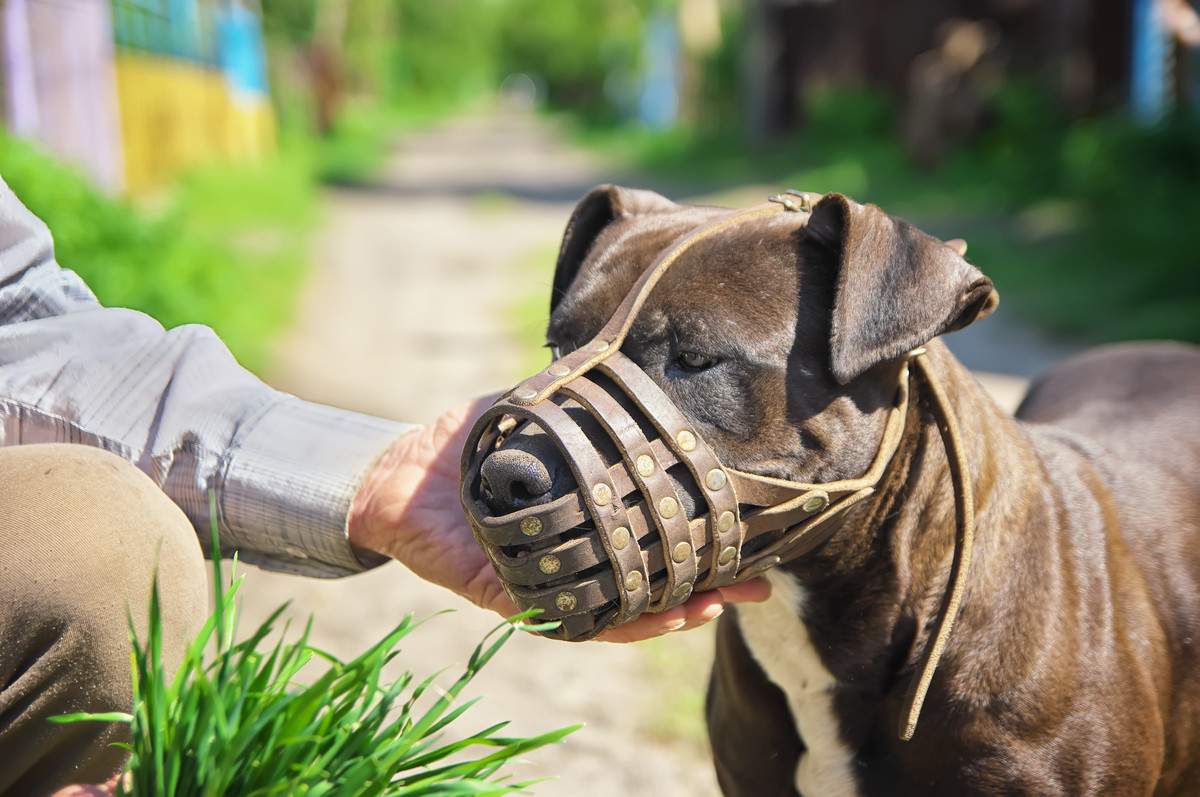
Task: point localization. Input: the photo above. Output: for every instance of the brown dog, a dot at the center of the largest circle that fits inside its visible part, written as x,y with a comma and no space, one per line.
1073,666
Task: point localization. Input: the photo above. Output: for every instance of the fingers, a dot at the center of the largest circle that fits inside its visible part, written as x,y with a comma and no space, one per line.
501,604
648,626
704,607
486,591
756,590
699,610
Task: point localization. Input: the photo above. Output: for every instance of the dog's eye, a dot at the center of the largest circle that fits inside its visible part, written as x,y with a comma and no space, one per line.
694,361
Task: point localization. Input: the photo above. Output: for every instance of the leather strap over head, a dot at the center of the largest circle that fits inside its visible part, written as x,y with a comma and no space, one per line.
622,543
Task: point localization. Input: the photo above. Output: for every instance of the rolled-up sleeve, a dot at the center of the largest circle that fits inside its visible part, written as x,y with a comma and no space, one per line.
176,404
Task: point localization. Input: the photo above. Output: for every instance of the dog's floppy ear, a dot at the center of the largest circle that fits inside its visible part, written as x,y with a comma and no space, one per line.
603,205
895,286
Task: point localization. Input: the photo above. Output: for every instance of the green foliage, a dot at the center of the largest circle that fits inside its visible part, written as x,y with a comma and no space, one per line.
445,49
291,21
239,724
400,63
364,135
573,48
1096,234
224,249
358,145
401,50
415,50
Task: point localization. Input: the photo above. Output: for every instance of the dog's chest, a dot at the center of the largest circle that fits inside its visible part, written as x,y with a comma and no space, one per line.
780,643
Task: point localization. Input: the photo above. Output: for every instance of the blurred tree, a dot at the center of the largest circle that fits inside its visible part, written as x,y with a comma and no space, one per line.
289,20
583,52
447,48
325,61
386,50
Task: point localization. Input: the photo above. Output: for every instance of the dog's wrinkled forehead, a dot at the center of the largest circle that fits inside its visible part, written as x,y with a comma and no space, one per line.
737,286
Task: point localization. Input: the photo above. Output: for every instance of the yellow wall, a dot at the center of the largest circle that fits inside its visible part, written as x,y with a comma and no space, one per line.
175,114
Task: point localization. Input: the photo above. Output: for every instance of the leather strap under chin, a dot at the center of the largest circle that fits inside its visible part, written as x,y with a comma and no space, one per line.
621,543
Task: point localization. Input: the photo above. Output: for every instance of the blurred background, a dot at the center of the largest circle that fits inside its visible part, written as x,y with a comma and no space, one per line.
364,198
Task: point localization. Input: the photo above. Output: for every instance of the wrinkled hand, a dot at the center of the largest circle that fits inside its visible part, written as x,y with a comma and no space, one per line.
408,508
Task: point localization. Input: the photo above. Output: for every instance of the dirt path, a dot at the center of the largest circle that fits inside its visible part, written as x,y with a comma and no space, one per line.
408,313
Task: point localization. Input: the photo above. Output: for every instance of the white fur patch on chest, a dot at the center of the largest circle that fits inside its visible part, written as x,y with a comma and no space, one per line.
779,642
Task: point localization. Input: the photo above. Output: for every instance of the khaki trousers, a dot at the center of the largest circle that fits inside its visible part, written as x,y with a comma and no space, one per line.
81,534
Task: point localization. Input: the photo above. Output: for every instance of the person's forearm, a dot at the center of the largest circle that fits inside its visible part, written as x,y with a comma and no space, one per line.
176,404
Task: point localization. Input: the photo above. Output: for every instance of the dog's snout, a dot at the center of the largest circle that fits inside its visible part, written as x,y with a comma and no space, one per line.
514,479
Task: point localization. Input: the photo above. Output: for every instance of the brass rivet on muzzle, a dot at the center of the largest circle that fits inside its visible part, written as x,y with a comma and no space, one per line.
620,538
558,369
602,494
686,440
816,502
600,345
682,591
549,564
727,555
668,507
725,522
680,552
565,601
715,479
524,394
645,464
531,526
633,580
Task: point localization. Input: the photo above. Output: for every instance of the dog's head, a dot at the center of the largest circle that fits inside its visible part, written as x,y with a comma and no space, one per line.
774,338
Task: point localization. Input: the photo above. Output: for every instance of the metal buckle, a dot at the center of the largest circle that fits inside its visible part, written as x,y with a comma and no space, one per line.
793,201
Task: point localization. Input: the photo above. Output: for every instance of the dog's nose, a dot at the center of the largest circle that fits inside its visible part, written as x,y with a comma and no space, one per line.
514,479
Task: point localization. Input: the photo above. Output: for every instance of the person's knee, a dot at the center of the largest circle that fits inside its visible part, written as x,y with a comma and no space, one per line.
83,535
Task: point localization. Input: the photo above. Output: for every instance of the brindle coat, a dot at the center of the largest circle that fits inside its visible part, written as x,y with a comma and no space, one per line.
1073,665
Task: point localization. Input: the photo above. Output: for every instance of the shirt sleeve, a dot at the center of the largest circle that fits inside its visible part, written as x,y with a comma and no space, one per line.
176,404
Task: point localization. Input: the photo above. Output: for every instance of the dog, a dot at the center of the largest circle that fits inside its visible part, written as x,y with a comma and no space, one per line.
1073,666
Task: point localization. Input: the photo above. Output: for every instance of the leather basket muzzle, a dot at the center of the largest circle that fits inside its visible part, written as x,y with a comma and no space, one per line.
621,542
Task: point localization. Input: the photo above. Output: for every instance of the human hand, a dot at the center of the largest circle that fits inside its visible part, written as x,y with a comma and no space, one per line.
408,508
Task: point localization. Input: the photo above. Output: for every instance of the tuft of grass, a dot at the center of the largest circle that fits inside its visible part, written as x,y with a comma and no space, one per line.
236,722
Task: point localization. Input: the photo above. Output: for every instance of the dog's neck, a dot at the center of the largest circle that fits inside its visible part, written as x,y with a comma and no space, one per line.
873,591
